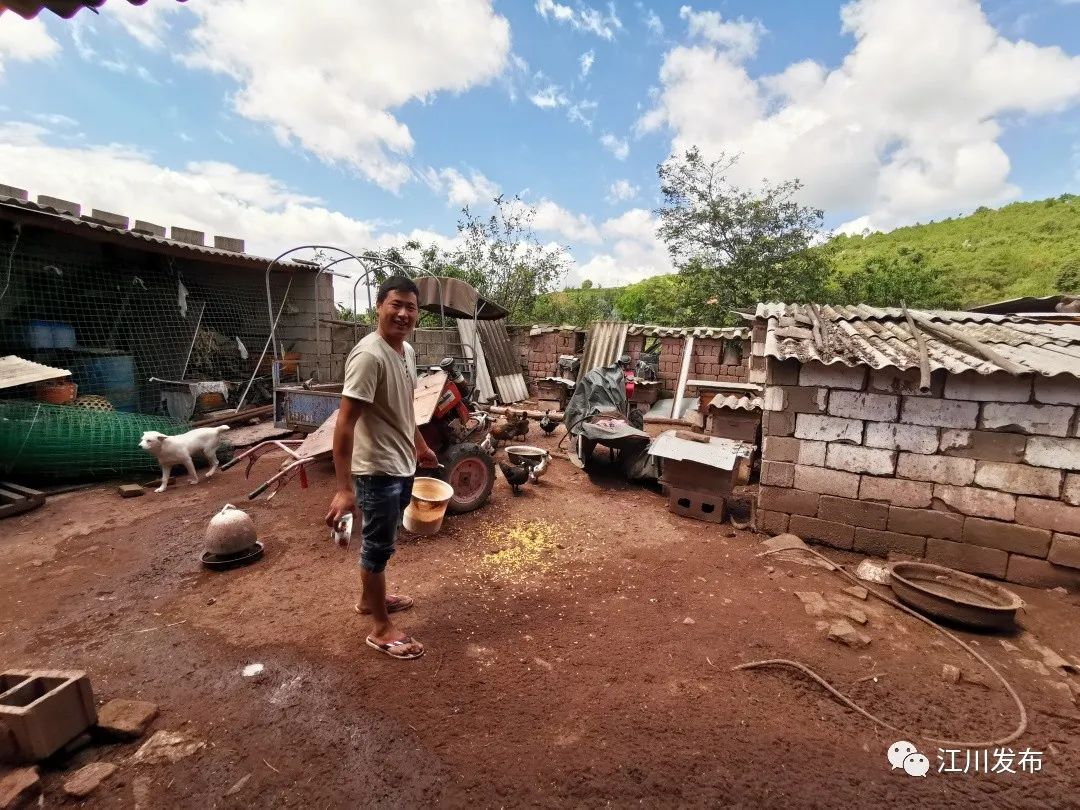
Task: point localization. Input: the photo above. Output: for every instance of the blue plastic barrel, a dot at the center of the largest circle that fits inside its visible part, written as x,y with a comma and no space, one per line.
109,375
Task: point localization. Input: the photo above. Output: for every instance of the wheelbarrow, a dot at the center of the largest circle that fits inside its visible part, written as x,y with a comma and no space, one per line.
316,446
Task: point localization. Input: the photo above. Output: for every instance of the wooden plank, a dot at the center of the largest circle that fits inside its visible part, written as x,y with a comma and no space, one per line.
680,391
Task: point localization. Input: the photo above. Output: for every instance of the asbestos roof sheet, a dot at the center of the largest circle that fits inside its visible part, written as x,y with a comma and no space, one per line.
717,452
880,338
53,219
544,329
603,345
724,333
733,402
15,371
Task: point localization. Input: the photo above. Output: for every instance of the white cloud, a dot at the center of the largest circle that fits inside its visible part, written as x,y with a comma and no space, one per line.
25,41
619,147
584,18
621,191
145,23
586,62
653,23
303,70
549,98
632,252
54,120
740,38
553,218
461,190
905,128
580,112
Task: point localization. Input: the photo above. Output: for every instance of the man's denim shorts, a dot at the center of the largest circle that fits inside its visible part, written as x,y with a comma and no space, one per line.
383,499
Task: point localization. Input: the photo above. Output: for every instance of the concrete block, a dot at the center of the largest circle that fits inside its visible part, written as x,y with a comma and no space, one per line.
111,219
142,226
826,482
124,719
1006,536
978,560
834,375
1019,479
997,387
881,543
1065,550
791,501
828,428
772,522
64,206
859,405
946,413
131,490
229,243
977,502
812,453
1070,493
1063,389
780,448
178,234
1041,573
696,505
782,372
853,512
940,469
904,383
1044,420
14,191
896,491
860,459
832,534
1061,454
984,445
893,436
774,423
926,523
802,399
777,474
773,399
44,710
1045,514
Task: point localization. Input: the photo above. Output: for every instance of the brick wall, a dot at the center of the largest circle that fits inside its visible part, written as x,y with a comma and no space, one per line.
544,350
712,359
981,474
309,296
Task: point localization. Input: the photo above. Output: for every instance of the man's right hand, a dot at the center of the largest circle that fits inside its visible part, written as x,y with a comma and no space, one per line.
344,503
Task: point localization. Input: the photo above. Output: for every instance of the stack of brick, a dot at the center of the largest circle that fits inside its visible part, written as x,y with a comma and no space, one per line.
712,359
981,473
546,347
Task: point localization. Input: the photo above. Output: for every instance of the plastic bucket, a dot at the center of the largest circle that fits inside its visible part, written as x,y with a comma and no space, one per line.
425,512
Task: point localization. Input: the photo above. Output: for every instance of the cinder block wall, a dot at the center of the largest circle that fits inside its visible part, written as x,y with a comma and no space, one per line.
981,474
310,296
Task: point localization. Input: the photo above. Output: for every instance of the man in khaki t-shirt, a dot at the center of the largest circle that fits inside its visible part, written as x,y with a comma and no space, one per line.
376,450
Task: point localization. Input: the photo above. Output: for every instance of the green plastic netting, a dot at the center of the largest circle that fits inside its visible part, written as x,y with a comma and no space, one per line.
59,442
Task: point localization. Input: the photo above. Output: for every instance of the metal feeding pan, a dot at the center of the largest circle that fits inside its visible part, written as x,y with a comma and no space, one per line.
223,562
954,596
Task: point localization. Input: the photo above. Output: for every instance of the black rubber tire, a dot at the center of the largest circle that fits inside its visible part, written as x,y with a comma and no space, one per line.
470,453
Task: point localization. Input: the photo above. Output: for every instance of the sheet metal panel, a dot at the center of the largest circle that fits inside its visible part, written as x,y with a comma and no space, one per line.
717,452
16,371
604,343
473,349
503,364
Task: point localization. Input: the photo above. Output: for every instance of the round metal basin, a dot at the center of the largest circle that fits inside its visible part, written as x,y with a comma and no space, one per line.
953,595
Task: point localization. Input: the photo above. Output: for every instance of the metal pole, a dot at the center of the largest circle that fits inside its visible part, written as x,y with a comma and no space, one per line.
269,340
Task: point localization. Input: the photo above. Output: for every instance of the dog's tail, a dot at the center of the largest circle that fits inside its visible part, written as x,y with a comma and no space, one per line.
222,428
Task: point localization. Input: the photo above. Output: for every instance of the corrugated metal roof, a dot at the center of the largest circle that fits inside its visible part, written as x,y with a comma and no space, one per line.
505,367
53,219
1047,303
603,345
880,338
16,371
721,332
717,452
736,403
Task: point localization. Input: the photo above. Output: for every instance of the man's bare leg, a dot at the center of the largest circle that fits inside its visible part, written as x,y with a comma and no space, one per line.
374,601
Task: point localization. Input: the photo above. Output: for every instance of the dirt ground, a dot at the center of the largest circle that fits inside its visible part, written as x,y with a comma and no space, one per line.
580,644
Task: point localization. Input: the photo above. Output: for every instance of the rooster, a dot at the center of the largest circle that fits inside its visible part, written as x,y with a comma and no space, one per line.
515,476
547,424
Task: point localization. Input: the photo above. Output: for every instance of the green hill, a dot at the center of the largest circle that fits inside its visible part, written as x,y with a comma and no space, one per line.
1026,248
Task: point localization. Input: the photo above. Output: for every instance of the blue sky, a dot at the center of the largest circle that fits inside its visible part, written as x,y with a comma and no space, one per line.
363,123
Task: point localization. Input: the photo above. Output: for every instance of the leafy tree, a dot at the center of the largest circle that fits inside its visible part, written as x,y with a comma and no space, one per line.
574,307
885,281
586,285
737,246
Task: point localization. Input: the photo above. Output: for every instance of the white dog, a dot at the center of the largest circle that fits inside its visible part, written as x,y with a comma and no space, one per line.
171,450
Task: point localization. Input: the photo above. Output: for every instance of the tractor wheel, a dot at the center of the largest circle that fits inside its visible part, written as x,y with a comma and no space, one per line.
471,472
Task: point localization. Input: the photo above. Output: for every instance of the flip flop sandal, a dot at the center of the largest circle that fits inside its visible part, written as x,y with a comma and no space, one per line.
389,648
394,604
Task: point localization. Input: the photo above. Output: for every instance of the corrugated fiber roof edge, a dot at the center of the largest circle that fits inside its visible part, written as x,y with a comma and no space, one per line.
933,366
51,219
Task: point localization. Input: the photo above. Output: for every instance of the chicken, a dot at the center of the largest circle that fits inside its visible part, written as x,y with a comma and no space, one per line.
536,470
516,426
515,476
487,446
547,424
